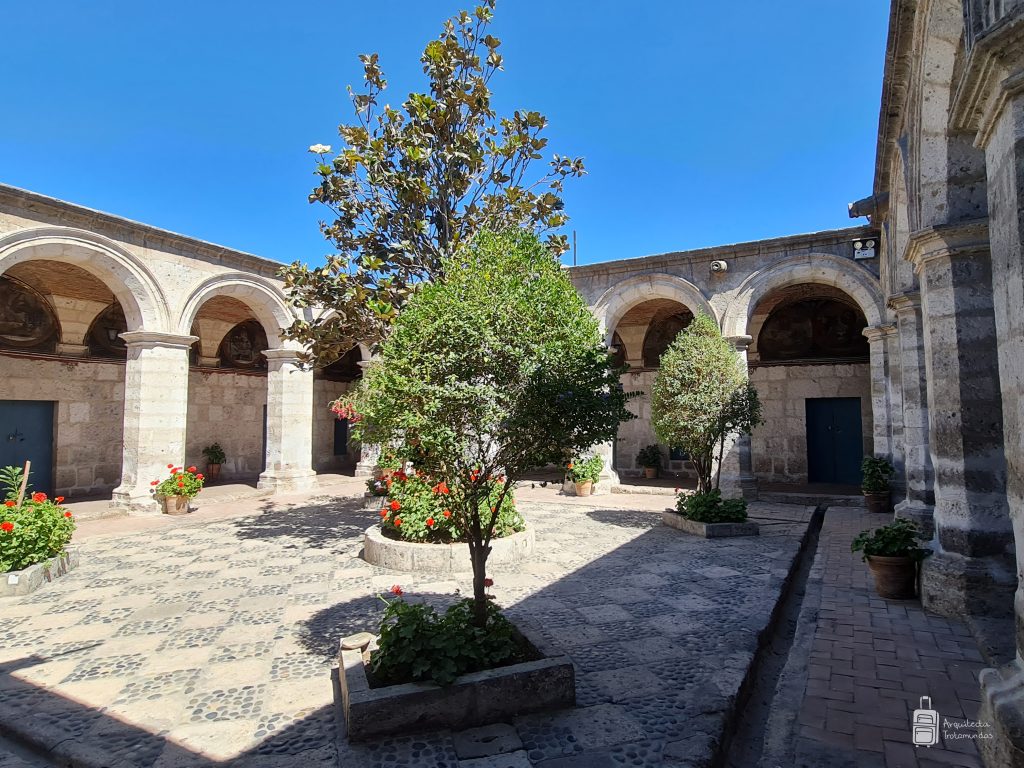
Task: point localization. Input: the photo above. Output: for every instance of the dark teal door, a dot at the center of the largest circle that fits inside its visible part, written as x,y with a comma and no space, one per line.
835,442
26,433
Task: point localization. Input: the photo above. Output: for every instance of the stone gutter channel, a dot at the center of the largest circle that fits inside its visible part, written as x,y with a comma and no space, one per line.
760,730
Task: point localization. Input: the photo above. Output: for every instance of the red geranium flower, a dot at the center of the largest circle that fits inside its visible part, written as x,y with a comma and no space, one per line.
396,590
191,469
430,522
170,466
59,499
8,503
38,497
395,506
181,483
155,482
398,522
441,487
447,513
67,514
6,526
488,582
383,513
199,476
569,465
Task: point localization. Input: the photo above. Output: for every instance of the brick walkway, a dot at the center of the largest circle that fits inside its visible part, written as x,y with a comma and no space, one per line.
870,662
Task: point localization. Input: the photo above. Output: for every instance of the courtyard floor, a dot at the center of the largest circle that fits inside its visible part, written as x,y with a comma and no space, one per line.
210,640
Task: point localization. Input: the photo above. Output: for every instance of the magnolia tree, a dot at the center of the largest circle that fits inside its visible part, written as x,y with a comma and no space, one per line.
410,184
701,398
491,372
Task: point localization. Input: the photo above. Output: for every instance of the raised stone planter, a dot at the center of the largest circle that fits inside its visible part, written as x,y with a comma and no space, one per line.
708,530
380,550
28,580
479,698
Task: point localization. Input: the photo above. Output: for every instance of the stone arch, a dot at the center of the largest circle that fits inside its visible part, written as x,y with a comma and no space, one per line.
618,300
135,287
266,301
821,268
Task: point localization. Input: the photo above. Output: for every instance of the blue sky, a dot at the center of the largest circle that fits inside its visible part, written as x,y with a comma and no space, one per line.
700,125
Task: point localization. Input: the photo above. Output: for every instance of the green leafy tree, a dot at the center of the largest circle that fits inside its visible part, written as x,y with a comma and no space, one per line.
491,372
410,185
701,397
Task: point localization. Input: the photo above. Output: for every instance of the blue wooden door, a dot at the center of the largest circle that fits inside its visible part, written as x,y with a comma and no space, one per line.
26,433
835,441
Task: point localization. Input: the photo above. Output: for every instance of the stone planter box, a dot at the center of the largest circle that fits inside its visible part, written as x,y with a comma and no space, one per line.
479,698
28,580
373,503
380,550
708,530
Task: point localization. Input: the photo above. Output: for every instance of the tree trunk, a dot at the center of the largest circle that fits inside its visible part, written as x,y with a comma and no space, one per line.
479,556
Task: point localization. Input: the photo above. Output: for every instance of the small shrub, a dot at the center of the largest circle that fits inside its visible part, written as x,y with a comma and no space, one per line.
416,643
584,470
900,538
649,457
417,509
214,454
34,532
712,508
875,474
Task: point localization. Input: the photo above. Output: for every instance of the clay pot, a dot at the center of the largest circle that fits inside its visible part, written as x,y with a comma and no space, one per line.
176,505
895,577
584,489
650,472
212,473
879,502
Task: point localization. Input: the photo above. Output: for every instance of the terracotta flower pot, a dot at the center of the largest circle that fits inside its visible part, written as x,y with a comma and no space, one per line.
878,502
895,577
212,473
176,505
584,489
650,472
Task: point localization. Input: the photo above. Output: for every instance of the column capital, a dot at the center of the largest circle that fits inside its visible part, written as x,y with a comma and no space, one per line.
879,332
905,302
740,342
946,241
152,339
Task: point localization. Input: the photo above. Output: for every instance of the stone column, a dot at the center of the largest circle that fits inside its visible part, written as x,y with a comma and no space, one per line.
919,502
969,573
881,407
368,456
609,477
155,414
1003,689
738,478
289,423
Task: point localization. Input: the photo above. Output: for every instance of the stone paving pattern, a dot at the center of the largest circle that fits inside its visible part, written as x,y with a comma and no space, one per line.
870,662
202,643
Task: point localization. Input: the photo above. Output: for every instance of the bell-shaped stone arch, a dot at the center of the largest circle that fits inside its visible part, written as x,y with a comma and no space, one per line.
135,287
824,269
618,300
266,301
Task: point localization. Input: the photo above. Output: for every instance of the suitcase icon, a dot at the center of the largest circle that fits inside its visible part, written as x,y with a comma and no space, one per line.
925,724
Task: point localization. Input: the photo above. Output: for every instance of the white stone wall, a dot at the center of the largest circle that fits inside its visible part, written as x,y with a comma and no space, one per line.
90,398
324,460
779,447
227,407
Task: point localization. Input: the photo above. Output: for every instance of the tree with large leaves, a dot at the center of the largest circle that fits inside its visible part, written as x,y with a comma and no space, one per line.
412,184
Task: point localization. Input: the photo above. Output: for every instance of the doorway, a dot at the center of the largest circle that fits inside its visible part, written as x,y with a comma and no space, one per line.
835,440
26,434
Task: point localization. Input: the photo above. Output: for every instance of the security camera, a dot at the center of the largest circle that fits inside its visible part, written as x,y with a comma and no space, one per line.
719,266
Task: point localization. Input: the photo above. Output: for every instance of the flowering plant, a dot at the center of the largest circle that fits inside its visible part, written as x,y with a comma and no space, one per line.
584,470
420,508
181,482
344,409
376,486
33,532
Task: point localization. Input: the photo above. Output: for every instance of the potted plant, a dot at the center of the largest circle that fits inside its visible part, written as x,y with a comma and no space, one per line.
584,473
876,473
650,459
215,456
892,553
388,463
176,490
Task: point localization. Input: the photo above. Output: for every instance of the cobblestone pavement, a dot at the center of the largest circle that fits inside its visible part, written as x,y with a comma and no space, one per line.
212,643
871,661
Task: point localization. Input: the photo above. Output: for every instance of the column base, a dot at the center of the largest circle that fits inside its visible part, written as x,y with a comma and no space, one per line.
608,479
283,481
955,586
365,469
736,487
919,512
1002,709
135,501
